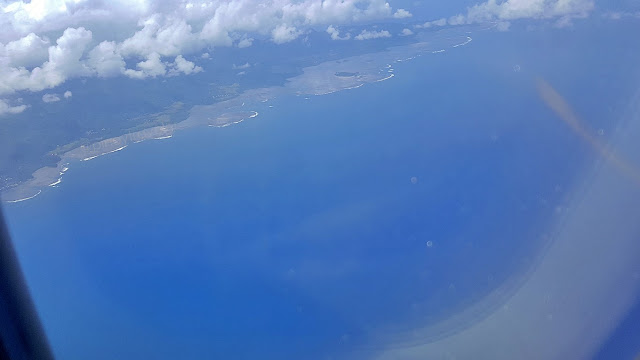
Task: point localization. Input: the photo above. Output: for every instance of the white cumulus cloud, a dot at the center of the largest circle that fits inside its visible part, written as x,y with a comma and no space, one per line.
105,59
520,9
406,32
246,42
241,67
505,11
284,33
63,62
49,98
5,108
335,34
152,67
428,24
401,14
43,43
617,15
28,51
53,97
366,35
181,65
164,36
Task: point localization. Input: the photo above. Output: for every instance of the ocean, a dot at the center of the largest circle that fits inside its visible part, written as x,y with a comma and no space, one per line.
308,231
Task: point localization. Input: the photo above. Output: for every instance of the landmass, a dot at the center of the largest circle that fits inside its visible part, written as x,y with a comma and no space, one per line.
321,79
346,74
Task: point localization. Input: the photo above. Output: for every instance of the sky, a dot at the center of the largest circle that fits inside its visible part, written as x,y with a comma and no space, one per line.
44,43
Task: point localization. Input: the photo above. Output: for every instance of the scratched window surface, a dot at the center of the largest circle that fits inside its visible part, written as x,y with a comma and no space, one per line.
325,180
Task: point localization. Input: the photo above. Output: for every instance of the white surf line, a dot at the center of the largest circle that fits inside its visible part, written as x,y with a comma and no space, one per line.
255,113
163,137
227,124
108,152
27,198
90,157
338,90
354,87
56,183
387,78
322,94
438,51
112,151
469,39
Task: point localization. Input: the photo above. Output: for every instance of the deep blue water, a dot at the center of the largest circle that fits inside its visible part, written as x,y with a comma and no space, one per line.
294,234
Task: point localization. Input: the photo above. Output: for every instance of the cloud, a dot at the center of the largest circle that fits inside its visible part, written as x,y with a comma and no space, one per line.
152,67
28,51
518,9
52,97
63,62
503,26
166,36
244,43
5,108
181,65
335,34
241,67
176,19
366,35
205,55
402,14
617,15
563,22
428,24
105,59
49,98
64,58
157,37
284,33
504,11
457,20
406,32
19,18
216,18
285,20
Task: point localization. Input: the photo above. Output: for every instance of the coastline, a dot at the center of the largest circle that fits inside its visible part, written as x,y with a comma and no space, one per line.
321,79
